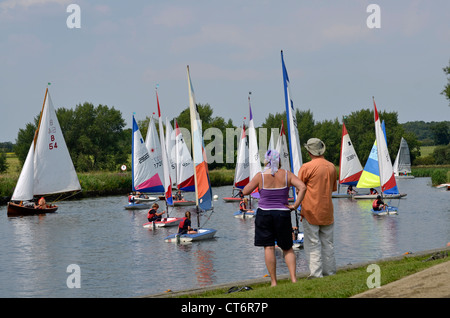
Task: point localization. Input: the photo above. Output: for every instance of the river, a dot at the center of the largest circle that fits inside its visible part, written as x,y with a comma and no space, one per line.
115,256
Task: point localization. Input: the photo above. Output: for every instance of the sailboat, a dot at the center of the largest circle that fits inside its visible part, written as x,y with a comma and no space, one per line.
370,177
167,221
294,143
146,169
185,168
253,152
282,148
387,178
350,168
242,172
48,168
203,191
171,153
402,163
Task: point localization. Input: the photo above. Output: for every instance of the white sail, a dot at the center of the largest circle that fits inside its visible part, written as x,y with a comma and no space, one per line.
282,149
153,144
171,154
25,183
254,161
402,164
53,168
242,172
350,168
185,166
165,160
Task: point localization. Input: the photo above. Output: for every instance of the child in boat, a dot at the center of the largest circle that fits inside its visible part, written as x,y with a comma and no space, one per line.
243,206
41,204
378,204
350,190
153,214
185,225
373,191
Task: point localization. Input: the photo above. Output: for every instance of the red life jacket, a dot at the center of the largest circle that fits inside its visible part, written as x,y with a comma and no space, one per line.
181,224
242,206
375,205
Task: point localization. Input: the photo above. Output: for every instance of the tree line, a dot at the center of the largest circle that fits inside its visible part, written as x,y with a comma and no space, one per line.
97,140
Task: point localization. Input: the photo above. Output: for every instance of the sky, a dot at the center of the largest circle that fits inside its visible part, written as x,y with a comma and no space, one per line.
338,55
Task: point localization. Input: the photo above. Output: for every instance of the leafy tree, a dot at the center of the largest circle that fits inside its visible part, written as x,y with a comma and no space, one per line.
441,133
446,91
3,163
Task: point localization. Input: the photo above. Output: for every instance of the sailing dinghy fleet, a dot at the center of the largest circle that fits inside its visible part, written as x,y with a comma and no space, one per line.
163,164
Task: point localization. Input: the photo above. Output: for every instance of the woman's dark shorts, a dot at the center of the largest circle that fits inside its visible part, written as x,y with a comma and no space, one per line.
271,226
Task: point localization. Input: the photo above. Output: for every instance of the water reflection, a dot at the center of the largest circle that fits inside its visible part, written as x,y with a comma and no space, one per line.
120,258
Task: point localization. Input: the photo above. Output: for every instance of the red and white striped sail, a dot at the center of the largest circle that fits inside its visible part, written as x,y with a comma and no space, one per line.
242,172
185,166
350,168
387,178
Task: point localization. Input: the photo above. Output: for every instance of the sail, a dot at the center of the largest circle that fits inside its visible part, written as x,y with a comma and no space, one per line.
144,167
171,154
165,160
370,177
294,139
25,183
185,166
153,144
253,152
387,179
53,168
402,163
242,172
282,149
350,168
203,191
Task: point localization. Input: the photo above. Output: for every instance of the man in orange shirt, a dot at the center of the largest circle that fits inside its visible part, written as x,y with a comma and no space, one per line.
319,176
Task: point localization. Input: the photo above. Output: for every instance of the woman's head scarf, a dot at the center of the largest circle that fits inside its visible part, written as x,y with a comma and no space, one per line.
272,160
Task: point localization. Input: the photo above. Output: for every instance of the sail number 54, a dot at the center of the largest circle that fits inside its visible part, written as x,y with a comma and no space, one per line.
52,145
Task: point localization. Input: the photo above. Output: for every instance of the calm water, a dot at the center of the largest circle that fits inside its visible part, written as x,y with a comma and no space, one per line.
119,258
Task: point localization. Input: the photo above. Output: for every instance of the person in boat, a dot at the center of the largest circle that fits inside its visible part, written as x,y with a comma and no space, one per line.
131,198
153,214
378,204
350,190
185,225
178,196
41,204
273,217
319,176
243,206
373,191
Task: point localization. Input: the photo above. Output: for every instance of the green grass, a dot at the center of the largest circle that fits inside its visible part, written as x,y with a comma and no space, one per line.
426,150
344,284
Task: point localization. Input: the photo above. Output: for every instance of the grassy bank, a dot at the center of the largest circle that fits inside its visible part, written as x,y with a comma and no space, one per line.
344,284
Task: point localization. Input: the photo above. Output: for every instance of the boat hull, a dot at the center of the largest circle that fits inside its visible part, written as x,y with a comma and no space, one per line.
231,199
165,222
202,234
138,206
183,202
390,210
21,210
374,196
244,215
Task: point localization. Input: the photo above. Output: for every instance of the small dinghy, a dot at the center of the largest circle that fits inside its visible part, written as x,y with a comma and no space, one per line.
386,211
244,215
202,234
164,222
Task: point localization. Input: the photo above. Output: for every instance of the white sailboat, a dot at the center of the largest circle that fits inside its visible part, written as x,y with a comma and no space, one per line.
402,163
242,171
185,168
48,168
171,154
282,148
253,151
294,143
203,191
350,168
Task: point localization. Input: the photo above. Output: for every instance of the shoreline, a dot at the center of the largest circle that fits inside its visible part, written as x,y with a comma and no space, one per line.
197,292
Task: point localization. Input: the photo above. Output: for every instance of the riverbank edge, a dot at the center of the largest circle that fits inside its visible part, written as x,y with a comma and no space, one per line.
300,275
